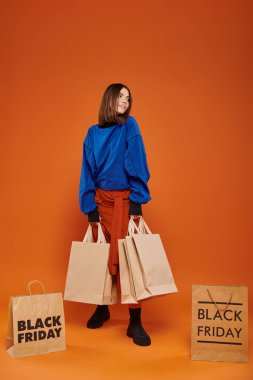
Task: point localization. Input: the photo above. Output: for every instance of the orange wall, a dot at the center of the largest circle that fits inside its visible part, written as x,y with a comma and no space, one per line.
189,66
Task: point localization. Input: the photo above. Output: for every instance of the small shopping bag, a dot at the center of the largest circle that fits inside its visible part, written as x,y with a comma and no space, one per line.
128,295
149,266
219,323
88,278
36,324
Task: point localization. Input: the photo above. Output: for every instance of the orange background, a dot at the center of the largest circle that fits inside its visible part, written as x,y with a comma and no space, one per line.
189,67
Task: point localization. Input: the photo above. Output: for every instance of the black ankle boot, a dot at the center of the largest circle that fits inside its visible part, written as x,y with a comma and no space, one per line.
135,329
100,315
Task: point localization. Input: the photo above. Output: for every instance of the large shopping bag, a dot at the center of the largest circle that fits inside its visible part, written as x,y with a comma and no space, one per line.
36,324
219,323
88,277
128,295
150,269
135,269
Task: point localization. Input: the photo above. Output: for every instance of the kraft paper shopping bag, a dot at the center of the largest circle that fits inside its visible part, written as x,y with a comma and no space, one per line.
128,295
88,278
149,266
219,323
36,324
156,270
135,269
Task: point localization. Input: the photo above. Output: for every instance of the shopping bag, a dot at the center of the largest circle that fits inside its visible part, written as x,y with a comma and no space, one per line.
135,269
110,290
149,265
36,324
88,278
219,323
128,295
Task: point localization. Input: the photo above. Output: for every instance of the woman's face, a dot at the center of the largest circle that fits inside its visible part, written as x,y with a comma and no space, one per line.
123,101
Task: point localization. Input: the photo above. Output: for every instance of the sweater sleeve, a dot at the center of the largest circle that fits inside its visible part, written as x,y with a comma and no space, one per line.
137,169
87,186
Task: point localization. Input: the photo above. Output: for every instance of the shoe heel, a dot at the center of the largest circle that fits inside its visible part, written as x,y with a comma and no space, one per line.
105,318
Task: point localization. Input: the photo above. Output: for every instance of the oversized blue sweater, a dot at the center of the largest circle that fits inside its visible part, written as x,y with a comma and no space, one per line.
114,158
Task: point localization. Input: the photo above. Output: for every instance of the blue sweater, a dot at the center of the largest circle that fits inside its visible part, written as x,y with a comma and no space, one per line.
114,158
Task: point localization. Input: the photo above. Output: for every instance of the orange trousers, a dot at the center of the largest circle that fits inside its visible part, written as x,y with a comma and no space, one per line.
113,207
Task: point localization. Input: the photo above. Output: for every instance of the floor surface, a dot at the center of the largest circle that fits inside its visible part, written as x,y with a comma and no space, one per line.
107,353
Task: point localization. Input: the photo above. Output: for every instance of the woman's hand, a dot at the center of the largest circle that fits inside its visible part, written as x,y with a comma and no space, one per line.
135,209
135,216
94,216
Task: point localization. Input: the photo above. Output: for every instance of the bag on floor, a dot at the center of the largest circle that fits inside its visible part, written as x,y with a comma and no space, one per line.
36,324
219,323
148,263
88,277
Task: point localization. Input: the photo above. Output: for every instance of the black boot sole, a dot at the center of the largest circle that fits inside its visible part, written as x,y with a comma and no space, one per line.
144,341
96,324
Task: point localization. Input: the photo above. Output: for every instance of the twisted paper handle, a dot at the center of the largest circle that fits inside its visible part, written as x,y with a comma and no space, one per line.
217,307
33,282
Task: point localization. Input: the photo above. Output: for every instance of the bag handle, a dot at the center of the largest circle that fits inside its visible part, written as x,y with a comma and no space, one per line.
143,227
88,238
33,282
101,236
217,307
132,227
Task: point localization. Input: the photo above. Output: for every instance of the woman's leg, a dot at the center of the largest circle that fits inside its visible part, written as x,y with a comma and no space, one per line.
135,329
101,313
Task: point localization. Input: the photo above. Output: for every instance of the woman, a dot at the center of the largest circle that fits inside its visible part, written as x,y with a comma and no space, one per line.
113,186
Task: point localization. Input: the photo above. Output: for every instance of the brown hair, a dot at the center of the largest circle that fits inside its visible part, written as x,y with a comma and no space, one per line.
108,108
